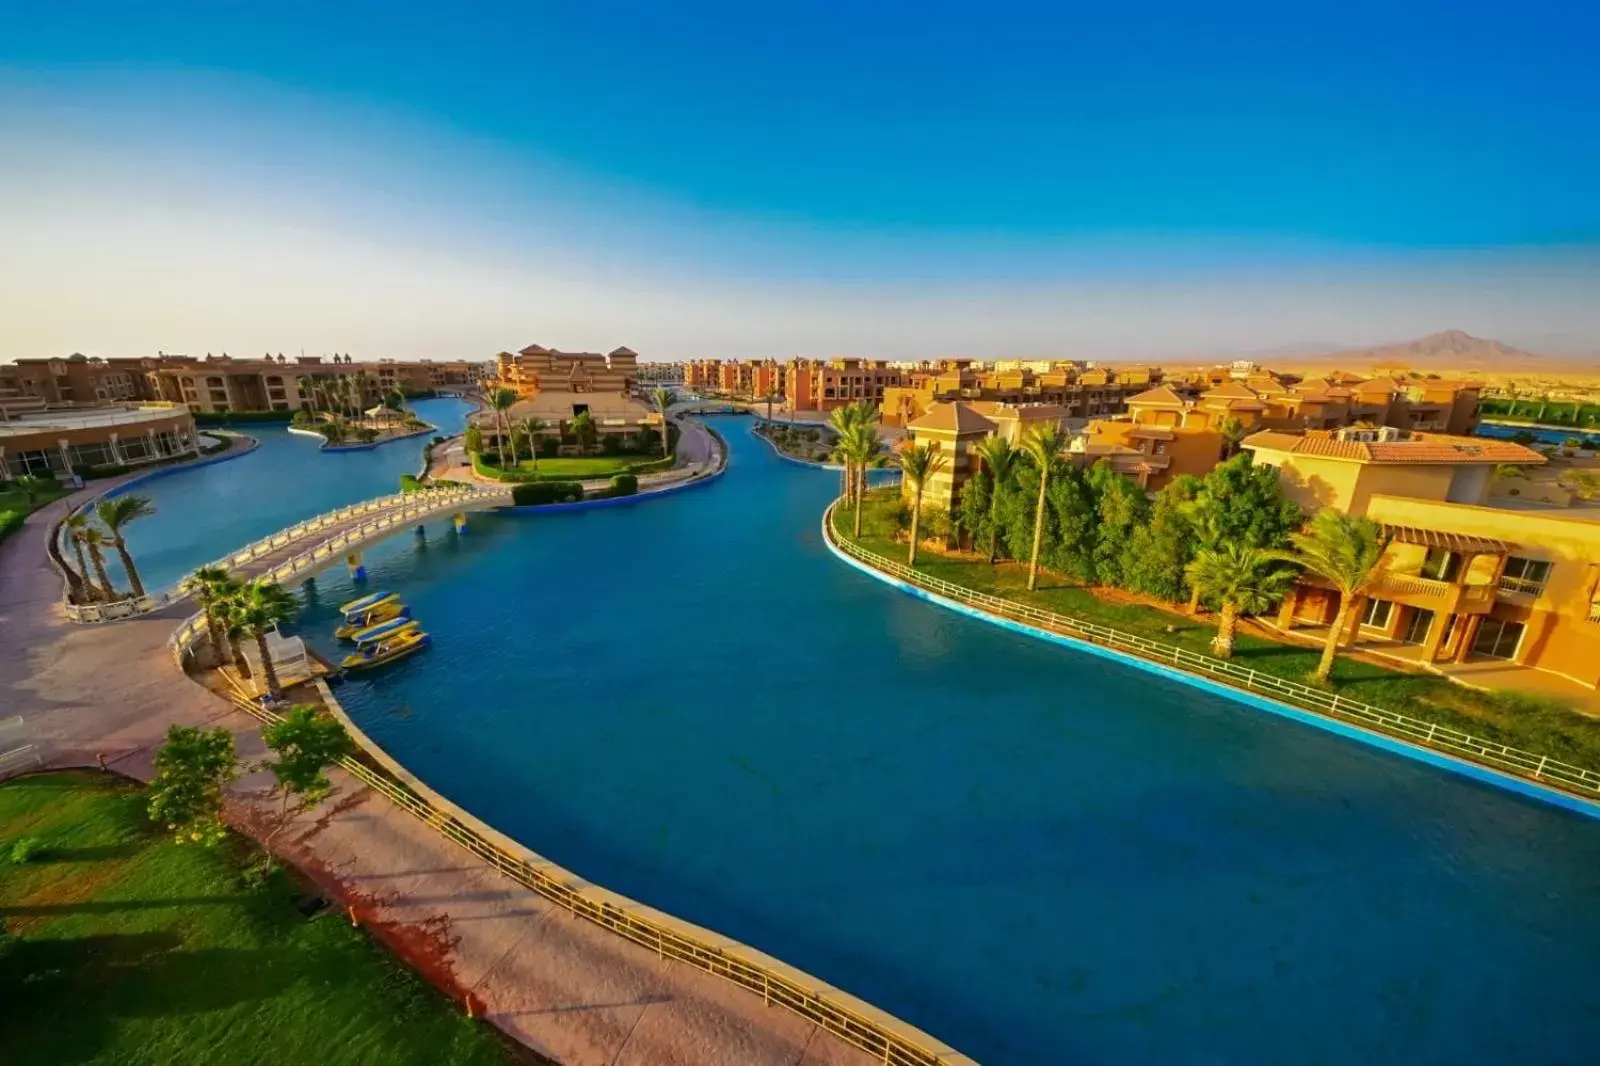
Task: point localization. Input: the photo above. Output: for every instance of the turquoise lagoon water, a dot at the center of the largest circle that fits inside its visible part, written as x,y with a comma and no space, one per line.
1036,855
205,513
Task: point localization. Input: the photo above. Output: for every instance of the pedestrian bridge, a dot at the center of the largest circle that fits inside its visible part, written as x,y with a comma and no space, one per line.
295,553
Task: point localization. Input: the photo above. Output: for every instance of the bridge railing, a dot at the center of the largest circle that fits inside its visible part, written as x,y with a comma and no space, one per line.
416,505
132,607
1527,764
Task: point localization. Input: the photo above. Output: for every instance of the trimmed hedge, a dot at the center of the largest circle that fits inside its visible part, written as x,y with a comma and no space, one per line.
624,485
409,483
537,492
10,522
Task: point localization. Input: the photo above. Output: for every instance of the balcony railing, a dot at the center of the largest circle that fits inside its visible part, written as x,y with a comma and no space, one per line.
1522,586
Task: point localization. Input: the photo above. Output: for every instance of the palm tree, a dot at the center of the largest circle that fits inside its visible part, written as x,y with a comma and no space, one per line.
1042,445
213,586
663,399
1243,580
530,428
918,463
95,539
75,526
500,401
335,430
582,427
1001,459
771,396
257,608
1347,552
116,513
32,487
1233,431
303,383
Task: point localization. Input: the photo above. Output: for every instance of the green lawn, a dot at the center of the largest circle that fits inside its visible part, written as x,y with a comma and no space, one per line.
13,500
1532,723
593,466
121,946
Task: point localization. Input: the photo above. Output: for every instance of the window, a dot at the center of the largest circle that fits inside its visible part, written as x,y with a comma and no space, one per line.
1497,638
1377,614
1441,564
1525,575
1417,628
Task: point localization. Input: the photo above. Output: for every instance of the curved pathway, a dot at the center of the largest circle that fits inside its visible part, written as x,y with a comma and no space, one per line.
560,985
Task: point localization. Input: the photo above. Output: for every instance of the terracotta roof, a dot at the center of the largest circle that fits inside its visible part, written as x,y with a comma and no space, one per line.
952,418
1232,390
1430,448
1160,395
1026,412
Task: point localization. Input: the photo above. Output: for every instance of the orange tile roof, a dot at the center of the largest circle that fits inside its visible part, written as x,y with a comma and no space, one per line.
1423,448
1161,395
952,418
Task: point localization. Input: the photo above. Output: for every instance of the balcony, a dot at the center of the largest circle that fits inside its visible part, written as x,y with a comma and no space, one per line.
1442,597
1521,586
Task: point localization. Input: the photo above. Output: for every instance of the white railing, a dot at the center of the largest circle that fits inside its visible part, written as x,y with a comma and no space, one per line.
1522,586
1539,768
407,503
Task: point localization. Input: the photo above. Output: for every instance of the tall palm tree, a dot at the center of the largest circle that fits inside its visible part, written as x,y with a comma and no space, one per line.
663,399
918,463
1347,552
770,397
257,608
500,401
1242,580
1042,444
1001,459
303,383
531,428
75,526
115,514
95,539
842,420
213,587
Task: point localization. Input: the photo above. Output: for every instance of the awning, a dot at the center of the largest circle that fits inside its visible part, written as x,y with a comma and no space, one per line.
1463,543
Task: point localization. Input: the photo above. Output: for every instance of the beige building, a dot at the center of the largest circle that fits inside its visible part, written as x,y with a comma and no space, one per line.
555,387
1468,577
954,430
52,443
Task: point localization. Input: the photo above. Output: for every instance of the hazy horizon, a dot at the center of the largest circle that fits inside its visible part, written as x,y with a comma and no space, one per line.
689,187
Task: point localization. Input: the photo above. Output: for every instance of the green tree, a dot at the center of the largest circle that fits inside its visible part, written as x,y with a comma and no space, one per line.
213,587
770,398
1042,445
918,464
335,430
1071,537
96,540
1240,580
857,448
664,399
115,514
32,488
976,515
76,525
1161,549
1233,431
584,431
501,401
306,744
1001,459
1347,552
844,421
1238,503
194,768
1120,510
473,440
530,428
256,609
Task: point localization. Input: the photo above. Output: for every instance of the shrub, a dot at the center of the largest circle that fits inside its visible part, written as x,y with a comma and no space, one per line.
226,418
438,439
89,473
10,522
537,492
624,485
549,447
23,850
300,417
409,483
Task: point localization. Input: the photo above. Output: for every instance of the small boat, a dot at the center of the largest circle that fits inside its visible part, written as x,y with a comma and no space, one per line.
399,638
386,628
369,611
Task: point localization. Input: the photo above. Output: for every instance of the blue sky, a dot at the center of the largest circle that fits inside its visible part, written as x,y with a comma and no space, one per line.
894,179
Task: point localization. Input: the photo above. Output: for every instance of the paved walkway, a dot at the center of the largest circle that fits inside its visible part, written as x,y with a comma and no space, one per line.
562,986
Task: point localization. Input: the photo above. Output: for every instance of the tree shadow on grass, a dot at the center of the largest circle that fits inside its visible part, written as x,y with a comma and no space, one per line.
64,997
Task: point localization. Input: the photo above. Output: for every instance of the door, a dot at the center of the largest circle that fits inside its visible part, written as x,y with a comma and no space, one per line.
1497,638
1417,628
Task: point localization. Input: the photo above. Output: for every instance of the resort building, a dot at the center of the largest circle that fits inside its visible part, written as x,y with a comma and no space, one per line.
555,387
954,429
53,442
76,379
823,385
1080,392
652,375
1467,577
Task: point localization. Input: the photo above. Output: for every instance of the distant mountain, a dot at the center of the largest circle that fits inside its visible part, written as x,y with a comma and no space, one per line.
1452,349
